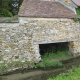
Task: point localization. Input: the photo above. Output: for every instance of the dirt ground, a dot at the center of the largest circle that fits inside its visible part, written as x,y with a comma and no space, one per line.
42,74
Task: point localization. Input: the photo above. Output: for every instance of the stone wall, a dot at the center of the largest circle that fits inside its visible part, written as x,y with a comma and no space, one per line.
20,41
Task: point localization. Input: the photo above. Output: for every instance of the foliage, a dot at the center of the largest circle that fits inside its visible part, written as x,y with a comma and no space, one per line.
16,63
78,12
48,63
73,74
5,12
7,9
3,67
49,56
11,19
4,8
59,54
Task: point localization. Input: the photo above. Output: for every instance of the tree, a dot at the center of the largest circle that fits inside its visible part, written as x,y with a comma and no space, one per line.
9,7
4,8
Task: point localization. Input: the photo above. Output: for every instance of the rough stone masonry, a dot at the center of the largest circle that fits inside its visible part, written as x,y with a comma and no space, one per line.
20,41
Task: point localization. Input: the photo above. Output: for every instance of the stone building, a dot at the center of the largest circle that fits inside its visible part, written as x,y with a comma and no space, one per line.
40,22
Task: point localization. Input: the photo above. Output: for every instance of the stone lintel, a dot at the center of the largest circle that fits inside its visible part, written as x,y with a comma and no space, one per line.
58,41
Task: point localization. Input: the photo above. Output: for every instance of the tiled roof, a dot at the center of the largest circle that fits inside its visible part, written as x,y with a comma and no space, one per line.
45,9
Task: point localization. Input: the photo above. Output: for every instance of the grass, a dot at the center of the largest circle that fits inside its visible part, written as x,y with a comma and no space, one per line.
59,54
12,19
48,63
73,74
49,56
3,67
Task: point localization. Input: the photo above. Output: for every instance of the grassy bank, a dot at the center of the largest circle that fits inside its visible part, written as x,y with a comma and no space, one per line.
73,74
51,59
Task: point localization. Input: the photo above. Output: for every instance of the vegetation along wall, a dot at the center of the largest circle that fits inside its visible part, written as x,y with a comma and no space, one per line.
20,41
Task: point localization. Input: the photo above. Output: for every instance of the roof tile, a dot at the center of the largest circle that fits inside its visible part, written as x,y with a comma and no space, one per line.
45,9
